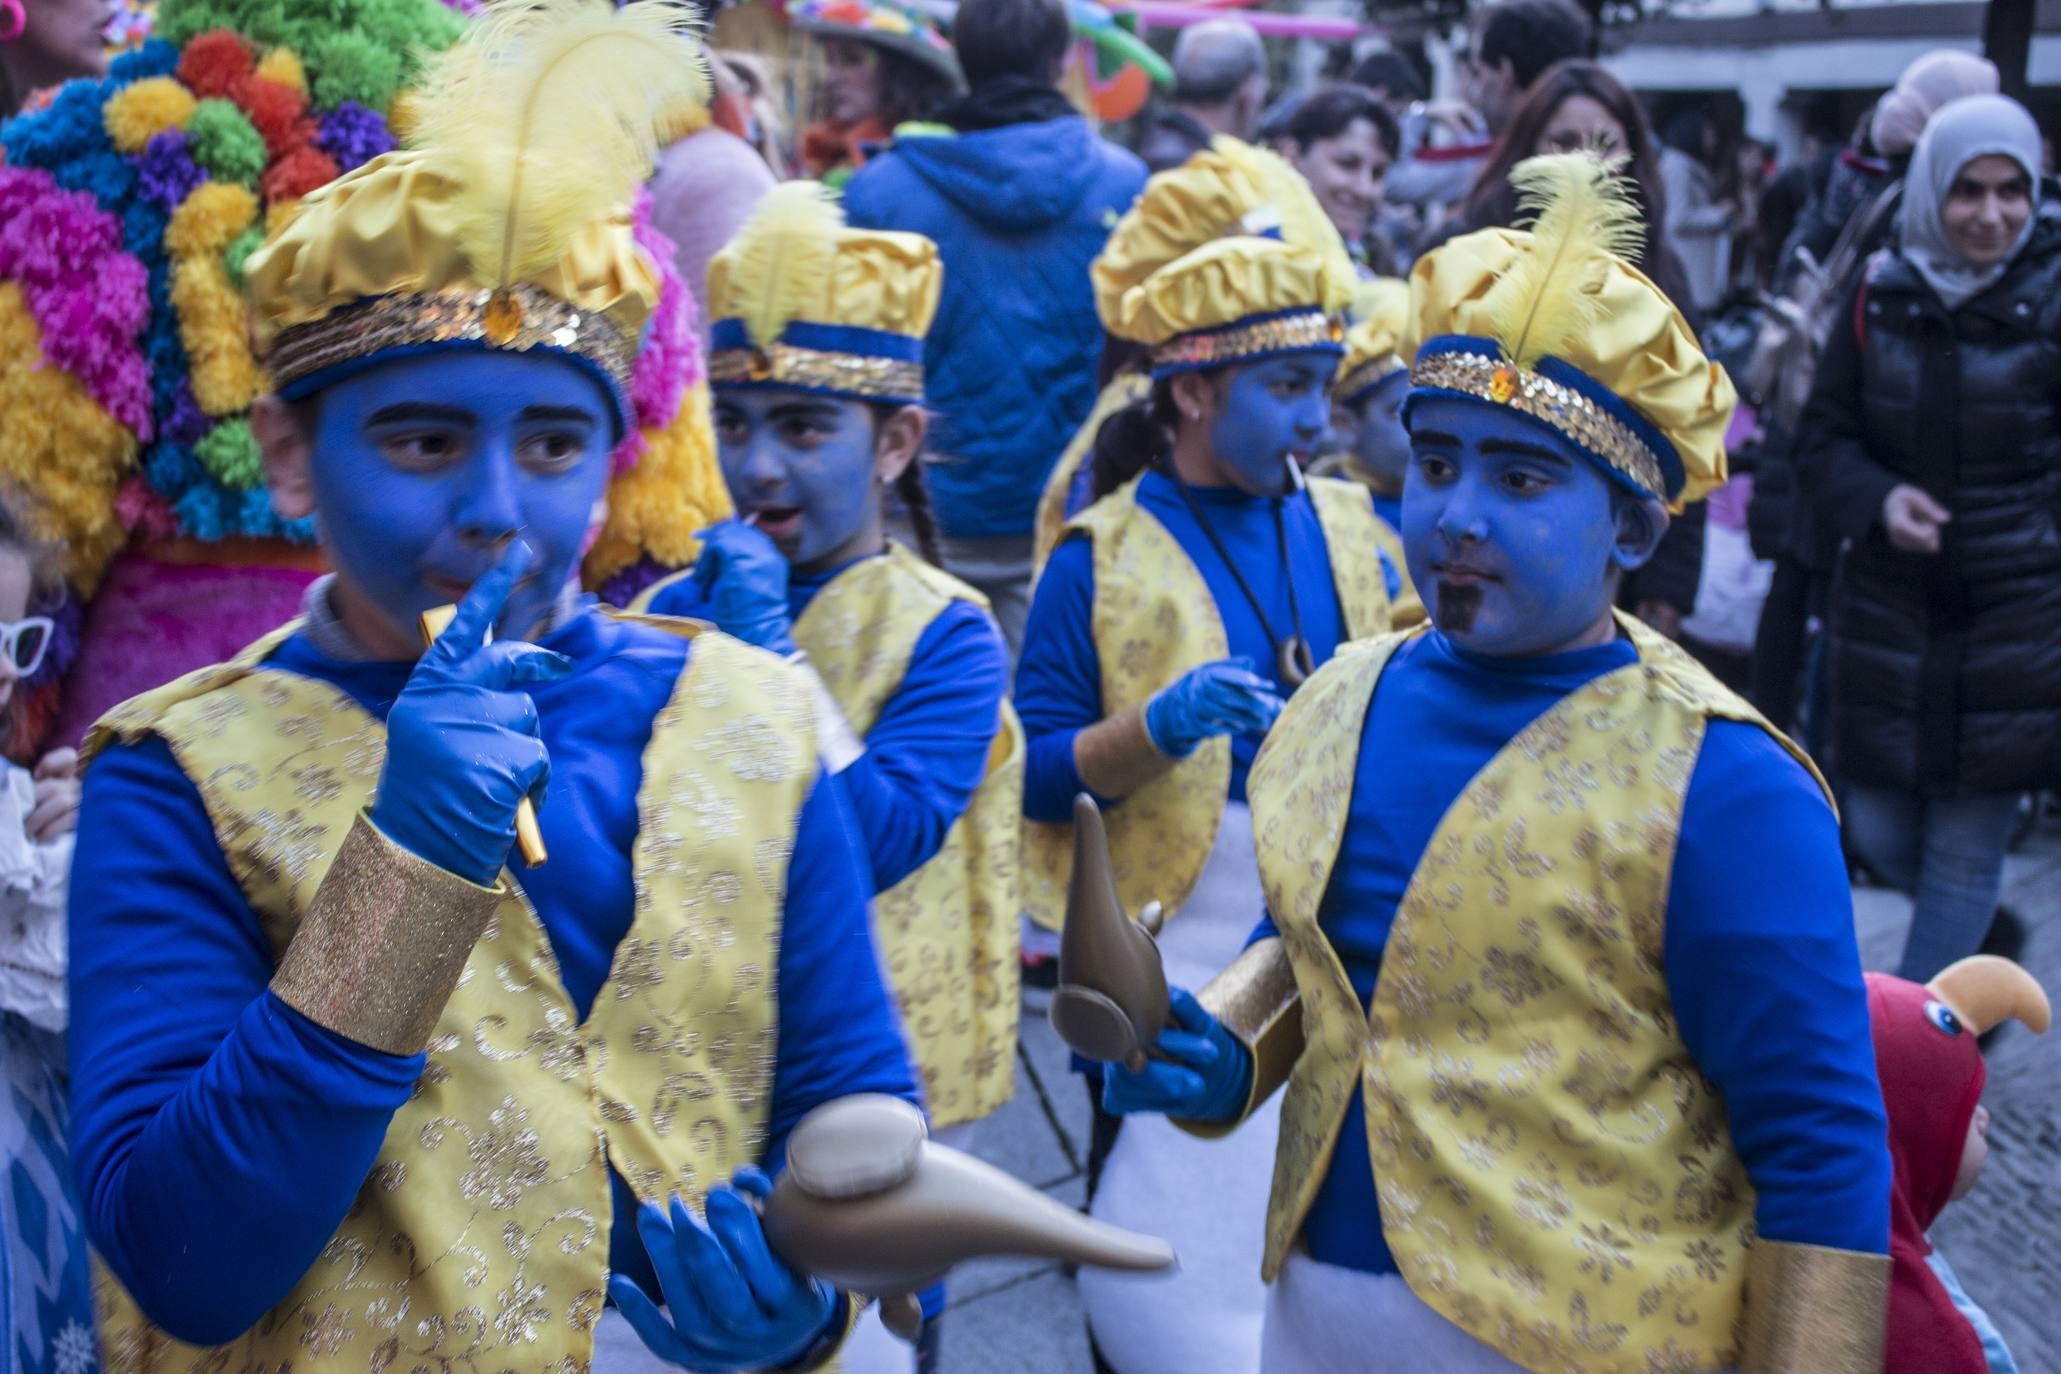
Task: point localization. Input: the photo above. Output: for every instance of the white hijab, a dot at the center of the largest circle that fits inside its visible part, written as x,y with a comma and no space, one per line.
1972,127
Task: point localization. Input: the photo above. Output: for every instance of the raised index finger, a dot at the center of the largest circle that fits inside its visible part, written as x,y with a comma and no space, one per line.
481,609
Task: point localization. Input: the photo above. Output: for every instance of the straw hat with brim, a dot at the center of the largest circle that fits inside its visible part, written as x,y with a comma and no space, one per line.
896,28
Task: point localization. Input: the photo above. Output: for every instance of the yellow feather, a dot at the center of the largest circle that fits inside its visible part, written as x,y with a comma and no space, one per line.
549,112
1584,215
780,261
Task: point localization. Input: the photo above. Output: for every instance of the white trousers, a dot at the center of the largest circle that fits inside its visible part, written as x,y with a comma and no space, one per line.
1324,1319
1207,1197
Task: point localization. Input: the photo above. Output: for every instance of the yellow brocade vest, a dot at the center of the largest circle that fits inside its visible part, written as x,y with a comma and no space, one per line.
948,931
480,1239
1555,1173
1153,620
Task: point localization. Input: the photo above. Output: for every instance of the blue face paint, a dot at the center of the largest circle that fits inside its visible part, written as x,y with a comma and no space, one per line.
1381,444
1273,412
424,467
802,464
1507,528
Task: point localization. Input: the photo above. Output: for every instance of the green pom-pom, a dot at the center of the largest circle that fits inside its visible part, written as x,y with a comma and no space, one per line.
349,66
239,253
230,454
224,142
385,41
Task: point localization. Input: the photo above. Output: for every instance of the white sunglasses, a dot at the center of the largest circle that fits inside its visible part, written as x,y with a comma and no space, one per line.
24,642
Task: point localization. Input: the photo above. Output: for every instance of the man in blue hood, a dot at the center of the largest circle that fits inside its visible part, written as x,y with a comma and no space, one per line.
1018,193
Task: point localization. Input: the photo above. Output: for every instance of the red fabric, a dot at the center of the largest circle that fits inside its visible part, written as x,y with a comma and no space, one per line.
1931,1082
825,147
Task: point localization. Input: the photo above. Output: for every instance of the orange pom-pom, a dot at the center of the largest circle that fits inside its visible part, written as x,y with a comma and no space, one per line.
276,113
217,63
298,173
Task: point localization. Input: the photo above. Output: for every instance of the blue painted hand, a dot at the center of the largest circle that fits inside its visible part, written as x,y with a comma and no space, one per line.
462,743
741,578
1199,1071
1222,698
730,1305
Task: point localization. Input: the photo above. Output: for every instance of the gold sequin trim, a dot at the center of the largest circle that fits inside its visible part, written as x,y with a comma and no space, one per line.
514,321
1367,374
383,943
1218,347
1562,407
1814,1310
783,364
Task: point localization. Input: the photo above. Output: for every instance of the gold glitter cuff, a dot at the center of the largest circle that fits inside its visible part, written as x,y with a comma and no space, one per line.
384,940
515,321
1812,1310
1116,757
854,374
1257,1001
1584,422
1371,373
1220,347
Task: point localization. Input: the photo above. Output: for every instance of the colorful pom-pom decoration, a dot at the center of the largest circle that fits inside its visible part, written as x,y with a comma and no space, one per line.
225,143
138,114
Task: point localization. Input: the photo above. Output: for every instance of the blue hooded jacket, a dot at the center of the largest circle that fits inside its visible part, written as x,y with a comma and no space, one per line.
1017,213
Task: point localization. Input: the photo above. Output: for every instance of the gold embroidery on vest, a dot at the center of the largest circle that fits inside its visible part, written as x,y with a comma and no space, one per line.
480,1237
1571,1199
948,932
1154,620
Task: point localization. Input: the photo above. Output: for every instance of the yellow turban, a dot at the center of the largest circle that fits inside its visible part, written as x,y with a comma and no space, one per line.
1225,258
1555,323
1373,342
800,299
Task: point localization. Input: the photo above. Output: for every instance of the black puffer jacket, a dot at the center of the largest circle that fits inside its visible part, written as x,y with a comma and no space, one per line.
1946,670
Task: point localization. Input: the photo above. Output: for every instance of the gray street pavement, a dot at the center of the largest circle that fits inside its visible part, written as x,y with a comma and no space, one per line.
2004,1240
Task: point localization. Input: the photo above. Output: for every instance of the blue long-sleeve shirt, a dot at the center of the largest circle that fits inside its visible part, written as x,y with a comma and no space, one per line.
219,1136
1059,675
928,749
1759,953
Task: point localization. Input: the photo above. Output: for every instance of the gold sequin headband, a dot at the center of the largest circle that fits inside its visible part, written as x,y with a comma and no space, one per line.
843,360
1285,332
1367,376
1574,414
516,320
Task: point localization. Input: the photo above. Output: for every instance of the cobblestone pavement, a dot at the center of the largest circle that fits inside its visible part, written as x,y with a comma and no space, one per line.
2004,1239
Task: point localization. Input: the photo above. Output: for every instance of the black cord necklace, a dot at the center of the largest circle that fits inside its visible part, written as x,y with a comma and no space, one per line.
1292,662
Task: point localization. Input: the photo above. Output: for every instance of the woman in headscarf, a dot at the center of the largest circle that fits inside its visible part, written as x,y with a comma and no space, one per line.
1933,443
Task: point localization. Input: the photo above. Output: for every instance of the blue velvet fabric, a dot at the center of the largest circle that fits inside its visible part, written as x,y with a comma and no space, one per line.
1760,958
928,750
1059,676
220,1136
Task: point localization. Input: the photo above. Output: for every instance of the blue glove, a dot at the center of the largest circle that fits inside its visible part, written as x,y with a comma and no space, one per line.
732,1305
462,747
741,578
1204,1074
1222,698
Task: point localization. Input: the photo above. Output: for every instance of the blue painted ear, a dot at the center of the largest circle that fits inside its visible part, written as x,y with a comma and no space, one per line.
1640,522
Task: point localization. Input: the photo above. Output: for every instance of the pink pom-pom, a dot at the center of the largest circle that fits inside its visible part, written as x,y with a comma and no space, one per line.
90,299
142,511
670,360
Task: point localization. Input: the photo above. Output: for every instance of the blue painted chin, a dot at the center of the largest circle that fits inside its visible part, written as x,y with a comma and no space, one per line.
1270,416
1509,530
802,464
424,467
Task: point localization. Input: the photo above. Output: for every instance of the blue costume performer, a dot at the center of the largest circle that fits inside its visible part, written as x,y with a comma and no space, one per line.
352,1092
1179,611
1560,966
1367,402
819,393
